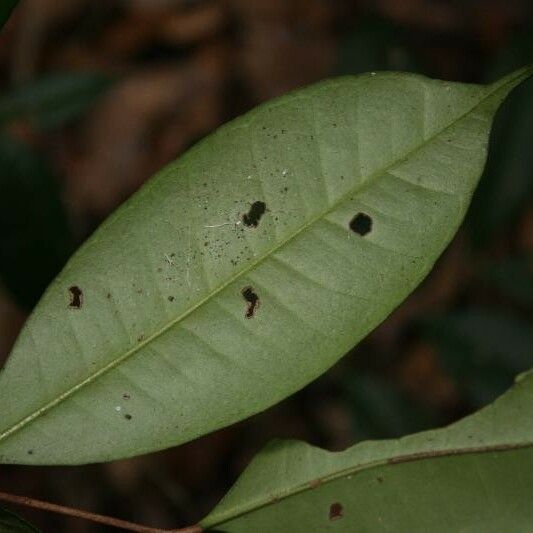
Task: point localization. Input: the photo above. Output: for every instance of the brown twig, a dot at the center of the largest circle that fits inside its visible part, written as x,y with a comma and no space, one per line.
100,519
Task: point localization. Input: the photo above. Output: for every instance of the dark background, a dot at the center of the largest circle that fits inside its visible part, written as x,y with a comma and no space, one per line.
97,96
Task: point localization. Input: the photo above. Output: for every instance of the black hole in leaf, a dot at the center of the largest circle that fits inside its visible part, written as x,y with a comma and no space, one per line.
252,218
253,301
335,511
76,297
361,224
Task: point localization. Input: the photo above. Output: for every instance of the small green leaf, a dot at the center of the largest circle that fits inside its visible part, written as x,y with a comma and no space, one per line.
6,7
483,349
54,100
35,239
512,277
507,183
474,475
11,523
248,267
374,44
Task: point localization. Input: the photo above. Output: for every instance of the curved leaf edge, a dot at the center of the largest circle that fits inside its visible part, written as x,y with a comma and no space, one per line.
331,466
496,92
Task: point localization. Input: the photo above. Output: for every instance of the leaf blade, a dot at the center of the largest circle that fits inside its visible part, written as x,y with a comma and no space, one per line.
463,477
141,366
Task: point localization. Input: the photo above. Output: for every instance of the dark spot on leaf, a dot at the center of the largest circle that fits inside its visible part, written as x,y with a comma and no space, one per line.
108,295
252,218
30,452
140,338
361,224
76,297
128,417
126,396
253,301
171,298
380,479
335,511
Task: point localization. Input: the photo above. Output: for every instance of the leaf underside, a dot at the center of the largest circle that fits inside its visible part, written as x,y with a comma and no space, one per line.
248,267
473,476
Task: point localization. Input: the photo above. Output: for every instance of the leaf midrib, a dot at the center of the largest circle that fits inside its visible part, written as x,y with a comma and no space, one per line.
343,472
369,181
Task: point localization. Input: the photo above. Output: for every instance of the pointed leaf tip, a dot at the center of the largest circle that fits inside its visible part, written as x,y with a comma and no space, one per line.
246,268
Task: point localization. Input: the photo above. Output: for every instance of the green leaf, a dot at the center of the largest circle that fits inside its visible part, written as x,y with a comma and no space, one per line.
6,7
35,239
512,277
248,267
380,410
11,523
54,100
483,349
374,44
507,183
474,475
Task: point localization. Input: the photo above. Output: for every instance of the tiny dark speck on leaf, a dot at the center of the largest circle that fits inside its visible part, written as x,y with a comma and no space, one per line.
335,511
126,396
171,298
361,224
252,218
30,452
253,301
128,417
380,479
76,297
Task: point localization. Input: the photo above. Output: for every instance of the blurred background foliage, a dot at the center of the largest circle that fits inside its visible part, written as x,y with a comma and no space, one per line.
97,96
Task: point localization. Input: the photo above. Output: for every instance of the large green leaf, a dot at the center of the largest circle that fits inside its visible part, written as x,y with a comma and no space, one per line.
247,268
475,475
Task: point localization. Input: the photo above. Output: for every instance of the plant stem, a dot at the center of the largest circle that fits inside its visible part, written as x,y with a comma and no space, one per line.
100,519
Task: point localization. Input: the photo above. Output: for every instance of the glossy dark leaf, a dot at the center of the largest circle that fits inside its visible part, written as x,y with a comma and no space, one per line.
34,235
52,101
6,8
